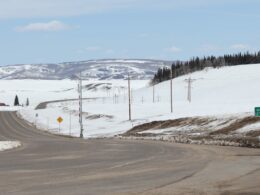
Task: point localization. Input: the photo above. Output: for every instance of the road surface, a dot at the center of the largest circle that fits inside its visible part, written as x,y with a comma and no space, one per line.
43,105
49,164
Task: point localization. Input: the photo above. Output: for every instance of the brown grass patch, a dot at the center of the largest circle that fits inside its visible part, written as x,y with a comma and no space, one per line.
240,123
169,123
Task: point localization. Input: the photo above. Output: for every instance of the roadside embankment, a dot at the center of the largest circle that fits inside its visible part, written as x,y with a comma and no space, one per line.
243,131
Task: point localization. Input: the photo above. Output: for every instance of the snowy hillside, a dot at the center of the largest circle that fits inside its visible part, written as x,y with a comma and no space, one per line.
219,93
38,91
92,69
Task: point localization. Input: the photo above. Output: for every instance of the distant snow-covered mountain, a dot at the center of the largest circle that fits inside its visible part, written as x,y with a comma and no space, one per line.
92,69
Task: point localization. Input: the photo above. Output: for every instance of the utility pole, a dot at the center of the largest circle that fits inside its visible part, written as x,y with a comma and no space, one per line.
80,106
132,96
189,81
129,98
70,123
48,123
171,92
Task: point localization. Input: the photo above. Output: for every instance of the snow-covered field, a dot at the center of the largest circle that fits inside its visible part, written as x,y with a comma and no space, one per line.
215,92
7,145
47,90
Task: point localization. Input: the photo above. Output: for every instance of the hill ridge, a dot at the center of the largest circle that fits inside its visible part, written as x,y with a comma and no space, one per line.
104,69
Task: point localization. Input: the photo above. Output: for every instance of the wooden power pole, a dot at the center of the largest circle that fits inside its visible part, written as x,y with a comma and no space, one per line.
80,106
171,92
129,98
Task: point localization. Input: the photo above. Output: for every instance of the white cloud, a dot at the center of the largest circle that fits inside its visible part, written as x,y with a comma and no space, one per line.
49,26
240,47
173,49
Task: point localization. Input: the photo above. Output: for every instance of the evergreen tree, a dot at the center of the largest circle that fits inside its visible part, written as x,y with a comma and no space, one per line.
180,68
16,101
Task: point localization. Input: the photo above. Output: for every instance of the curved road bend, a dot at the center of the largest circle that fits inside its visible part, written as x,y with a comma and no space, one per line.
49,164
43,105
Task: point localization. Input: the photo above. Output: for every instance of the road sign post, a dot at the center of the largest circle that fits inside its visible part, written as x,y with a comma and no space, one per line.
35,120
257,111
59,119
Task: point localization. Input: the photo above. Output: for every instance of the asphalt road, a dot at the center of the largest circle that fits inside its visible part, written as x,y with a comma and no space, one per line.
49,164
43,105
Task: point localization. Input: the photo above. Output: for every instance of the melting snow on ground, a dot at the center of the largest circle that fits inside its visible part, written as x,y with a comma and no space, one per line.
7,145
248,128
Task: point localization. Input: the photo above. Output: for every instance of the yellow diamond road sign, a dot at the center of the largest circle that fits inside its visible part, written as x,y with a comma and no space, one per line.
59,120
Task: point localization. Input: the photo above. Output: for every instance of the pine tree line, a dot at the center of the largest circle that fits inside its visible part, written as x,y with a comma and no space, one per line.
180,68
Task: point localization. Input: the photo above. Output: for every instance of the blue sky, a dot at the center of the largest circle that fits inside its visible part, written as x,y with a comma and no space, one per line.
50,31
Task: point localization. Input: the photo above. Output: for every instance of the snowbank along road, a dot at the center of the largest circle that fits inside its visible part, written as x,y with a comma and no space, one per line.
50,164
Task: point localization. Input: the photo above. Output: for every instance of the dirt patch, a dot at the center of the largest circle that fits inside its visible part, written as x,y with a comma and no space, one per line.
253,133
240,123
201,130
251,142
98,116
155,125
181,122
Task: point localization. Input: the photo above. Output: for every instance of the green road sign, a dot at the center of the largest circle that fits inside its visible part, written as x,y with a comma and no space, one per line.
257,111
